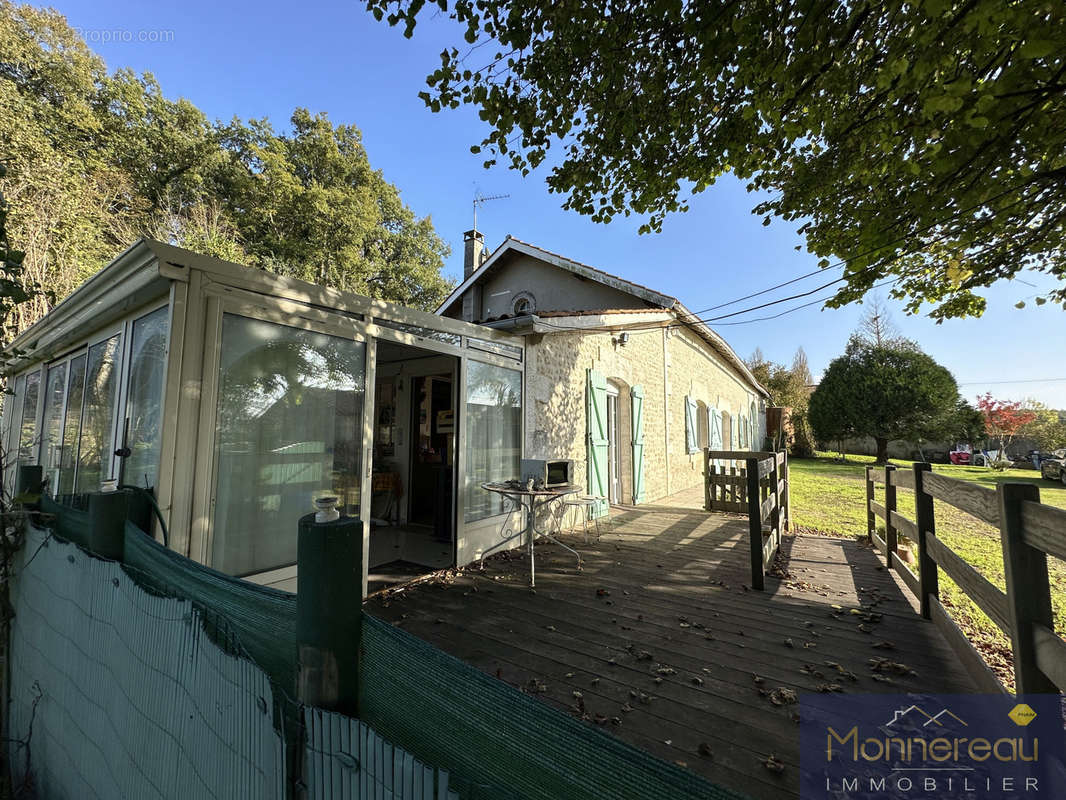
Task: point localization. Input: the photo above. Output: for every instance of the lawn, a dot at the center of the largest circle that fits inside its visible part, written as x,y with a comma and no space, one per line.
829,498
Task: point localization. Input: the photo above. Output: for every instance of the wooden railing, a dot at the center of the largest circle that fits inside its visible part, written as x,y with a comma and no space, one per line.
1029,532
755,483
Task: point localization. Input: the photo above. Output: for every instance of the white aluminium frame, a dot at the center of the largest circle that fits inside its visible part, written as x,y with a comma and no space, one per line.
124,329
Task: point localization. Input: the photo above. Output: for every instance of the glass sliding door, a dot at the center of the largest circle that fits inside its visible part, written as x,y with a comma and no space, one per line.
68,456
493,435
96,447
289,424
143,425
52,425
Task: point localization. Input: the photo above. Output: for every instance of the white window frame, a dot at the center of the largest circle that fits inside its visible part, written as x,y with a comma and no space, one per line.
278,312
124,329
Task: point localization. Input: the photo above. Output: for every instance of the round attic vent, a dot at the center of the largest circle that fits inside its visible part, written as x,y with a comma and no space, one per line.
524,303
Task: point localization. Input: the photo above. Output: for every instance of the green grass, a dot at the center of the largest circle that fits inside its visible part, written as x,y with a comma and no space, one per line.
829,498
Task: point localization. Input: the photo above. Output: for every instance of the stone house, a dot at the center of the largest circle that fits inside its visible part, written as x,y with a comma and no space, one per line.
620,378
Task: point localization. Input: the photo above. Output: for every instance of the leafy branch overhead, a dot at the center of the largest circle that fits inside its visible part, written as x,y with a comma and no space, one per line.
923,142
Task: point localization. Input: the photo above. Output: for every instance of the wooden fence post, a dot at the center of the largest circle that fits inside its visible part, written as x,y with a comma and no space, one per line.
925,521
785,499
775,515
890,506
755,523
329,613
1028,588
706,479
871,520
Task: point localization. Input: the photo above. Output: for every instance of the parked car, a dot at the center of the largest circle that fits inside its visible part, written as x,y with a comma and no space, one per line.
1053,467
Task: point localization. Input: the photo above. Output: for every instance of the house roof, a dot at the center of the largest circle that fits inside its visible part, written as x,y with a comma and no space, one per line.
655,299
512,245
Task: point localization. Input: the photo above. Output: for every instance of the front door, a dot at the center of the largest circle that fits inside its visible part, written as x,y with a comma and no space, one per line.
614,460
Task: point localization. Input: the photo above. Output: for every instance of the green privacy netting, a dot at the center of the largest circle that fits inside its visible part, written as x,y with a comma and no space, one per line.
497,741
70,523
263,619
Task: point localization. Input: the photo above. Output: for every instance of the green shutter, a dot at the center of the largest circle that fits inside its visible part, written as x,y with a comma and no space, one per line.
714,425
691,445
597,443
637,394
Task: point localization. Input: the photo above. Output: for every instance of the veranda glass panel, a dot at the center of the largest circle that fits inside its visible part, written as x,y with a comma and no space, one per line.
68,458
144,421
289,428
28,427
52,427
13,419
98,416
493,435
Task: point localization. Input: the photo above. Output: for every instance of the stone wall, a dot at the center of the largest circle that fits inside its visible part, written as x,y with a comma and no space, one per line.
695,370
556,424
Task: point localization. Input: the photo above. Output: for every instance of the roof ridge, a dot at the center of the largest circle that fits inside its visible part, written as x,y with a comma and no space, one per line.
588,266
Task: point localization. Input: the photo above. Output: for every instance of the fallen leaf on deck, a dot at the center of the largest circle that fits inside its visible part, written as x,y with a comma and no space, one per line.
774,764
782,696
705,750
788,643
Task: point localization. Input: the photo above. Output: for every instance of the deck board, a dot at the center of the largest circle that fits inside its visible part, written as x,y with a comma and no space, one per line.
664,588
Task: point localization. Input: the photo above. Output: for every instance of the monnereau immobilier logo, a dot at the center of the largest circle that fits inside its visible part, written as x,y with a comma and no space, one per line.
855,747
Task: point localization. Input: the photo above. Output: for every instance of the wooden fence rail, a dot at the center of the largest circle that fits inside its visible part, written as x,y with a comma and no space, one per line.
1029,532
756,484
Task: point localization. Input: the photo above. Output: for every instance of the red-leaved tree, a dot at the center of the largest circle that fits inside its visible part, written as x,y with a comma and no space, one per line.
1003,419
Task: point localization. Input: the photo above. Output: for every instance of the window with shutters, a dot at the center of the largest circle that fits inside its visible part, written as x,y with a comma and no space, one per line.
691,426
702,427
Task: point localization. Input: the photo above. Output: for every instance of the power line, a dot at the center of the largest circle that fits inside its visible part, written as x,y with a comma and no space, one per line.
844,262
695,319
797,308
1023,380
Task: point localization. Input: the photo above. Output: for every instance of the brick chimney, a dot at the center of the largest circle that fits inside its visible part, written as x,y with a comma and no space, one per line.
473,252
474,256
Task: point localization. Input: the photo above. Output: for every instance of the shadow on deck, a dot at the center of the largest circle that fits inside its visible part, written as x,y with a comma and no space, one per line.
659,639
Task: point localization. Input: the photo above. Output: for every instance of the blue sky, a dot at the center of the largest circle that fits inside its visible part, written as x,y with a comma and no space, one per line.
263,59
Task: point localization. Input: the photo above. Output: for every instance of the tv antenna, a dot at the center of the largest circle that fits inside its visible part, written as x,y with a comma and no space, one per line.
480,199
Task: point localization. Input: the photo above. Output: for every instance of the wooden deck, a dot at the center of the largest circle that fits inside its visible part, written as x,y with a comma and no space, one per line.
659,640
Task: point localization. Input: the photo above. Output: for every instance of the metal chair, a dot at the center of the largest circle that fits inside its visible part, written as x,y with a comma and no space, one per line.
584,502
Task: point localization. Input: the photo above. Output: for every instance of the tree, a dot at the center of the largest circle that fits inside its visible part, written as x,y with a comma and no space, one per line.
788,387
1047,429
1003,419
920,141
15,290
961,423
98,159
887,393
876,325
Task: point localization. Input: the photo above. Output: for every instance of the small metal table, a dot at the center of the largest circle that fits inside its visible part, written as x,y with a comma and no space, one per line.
531,500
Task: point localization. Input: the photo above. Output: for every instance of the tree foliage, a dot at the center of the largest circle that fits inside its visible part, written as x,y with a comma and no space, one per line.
1004,419
1047,428
99,159
14,289
888,393
789,386
922,141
